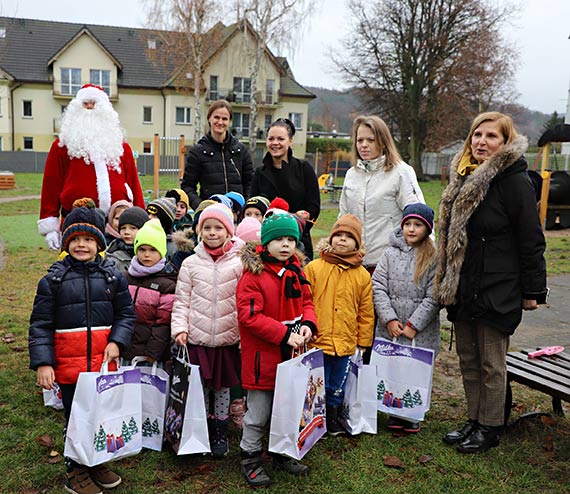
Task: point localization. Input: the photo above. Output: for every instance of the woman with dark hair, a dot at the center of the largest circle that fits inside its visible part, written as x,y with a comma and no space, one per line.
219,162
378,186
490,267
283,175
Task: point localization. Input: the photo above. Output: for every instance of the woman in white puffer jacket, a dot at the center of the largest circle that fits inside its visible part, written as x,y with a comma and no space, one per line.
378,186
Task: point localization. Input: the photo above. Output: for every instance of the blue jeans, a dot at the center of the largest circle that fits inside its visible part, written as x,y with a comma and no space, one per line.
336,372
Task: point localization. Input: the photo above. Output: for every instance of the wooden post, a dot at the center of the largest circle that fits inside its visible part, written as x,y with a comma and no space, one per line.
156,163
317,162
443,175
336,168
181,161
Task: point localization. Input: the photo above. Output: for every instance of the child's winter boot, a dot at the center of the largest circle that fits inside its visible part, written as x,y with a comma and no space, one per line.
252,469
103,477
218,430
289,465
78,481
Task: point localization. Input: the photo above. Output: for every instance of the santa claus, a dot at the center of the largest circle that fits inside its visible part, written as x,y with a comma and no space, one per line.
89,159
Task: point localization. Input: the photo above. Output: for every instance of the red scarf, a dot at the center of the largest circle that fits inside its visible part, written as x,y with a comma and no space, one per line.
218,252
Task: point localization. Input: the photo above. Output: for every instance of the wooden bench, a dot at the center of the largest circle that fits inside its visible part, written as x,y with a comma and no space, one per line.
549,374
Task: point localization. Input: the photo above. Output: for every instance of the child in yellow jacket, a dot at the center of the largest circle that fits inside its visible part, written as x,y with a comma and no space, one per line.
342,295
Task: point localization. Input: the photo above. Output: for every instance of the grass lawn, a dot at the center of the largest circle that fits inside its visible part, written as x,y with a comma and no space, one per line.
532,458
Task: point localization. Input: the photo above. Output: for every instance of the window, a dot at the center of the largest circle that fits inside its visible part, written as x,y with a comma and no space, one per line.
147,147
63,107
297,119
147,114
70,81
241,124
1,148
29,143
242,89
268,121
27,108
183,115
269,90
2,32
101,78
151,43
213,87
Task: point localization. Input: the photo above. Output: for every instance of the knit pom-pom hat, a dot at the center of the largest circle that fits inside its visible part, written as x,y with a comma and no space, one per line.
238,201
152,234
222,199
164,208
133,216
249,229
421,212
179,196
84,221
279,225
218,212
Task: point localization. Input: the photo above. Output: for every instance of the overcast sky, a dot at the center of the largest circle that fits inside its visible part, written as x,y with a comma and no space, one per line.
540,32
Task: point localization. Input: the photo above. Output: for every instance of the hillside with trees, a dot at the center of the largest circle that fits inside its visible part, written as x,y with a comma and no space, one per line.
333,109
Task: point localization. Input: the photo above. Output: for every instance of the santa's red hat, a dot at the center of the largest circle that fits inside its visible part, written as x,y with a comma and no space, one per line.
277,206
91,92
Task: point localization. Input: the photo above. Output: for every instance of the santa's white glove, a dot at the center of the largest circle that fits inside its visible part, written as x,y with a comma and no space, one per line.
53,240
49,227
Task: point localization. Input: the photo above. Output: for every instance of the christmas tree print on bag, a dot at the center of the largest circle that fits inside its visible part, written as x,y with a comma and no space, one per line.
106,417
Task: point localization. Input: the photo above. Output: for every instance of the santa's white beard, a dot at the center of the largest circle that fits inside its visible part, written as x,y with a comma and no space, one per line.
93,135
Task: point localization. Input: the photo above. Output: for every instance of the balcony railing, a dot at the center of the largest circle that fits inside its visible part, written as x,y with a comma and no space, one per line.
242,98
68,91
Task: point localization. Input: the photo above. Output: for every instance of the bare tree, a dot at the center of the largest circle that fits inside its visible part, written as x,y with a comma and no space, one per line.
268,23
186,30
427,66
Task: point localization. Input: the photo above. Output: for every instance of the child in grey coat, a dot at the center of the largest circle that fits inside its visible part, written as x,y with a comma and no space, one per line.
402,288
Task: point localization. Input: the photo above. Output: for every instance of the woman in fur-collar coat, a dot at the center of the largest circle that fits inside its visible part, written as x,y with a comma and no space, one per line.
490,267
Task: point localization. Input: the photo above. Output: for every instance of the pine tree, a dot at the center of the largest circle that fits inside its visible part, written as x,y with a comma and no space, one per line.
147,428
380,390
125,432
100,439
155,427
408,402
417,398
133,428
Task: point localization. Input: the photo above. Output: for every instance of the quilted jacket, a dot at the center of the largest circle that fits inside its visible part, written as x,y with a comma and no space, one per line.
79,307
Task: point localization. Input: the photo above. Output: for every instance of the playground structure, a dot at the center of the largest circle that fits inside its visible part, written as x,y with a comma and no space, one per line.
554,204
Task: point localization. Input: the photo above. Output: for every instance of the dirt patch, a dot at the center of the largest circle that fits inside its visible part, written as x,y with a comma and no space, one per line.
557,233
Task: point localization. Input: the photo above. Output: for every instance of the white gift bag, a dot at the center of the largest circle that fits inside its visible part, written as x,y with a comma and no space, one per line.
52,397
358,412
105,421
154,393
185,423
404,376
298,414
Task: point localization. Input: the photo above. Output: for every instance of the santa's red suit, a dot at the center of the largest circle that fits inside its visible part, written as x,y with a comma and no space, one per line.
68,177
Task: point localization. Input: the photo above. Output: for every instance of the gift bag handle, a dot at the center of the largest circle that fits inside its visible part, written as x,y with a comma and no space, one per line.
105,366
137,360
395,340
183,354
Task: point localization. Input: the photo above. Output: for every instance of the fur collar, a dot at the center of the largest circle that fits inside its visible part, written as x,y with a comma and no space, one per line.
252,261
459,200
324,246
184,240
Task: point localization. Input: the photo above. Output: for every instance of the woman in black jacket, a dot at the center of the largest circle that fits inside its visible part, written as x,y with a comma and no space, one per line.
283,175
490,267
219,162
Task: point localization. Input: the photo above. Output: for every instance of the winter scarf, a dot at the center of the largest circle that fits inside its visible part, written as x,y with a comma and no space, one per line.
137,270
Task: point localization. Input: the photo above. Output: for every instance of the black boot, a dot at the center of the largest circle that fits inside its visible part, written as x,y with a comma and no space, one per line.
333,425
462,434
484,438
289,465
252,469
218,431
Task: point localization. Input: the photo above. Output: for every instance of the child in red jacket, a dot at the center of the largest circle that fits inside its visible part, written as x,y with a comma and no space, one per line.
275,315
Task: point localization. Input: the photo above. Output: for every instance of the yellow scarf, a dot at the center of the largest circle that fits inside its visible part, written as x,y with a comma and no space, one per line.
465,166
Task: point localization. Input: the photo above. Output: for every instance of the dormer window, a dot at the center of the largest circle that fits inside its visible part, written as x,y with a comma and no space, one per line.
2,32
151,44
